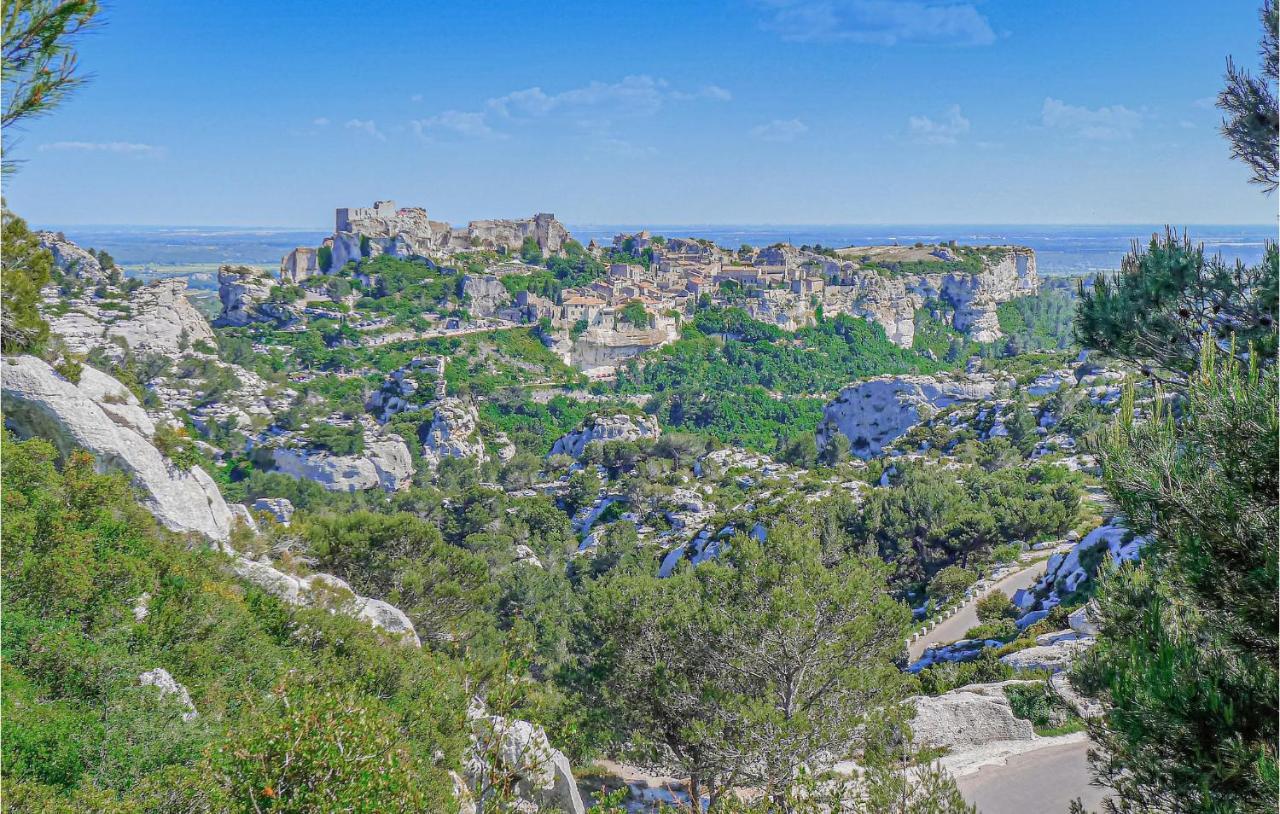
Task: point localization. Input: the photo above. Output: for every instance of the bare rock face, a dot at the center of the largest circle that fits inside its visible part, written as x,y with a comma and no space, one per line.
326,591
965,717
600,350
1054,658
500,746
159,319
102,417
874,413
72,260
243,292
384,463
454,432
485,294
616,427
167,685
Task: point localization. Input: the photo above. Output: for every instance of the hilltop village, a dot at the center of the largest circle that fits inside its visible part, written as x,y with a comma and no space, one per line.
632,296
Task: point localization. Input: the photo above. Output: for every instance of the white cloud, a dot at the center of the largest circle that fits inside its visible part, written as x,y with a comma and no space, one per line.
457,122
99,147
417,97
593,107
780,130
879,22
320,121
1114,123
943,131
367,126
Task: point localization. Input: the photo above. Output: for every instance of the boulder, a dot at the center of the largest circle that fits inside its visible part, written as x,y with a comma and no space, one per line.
964,718
1054,658
454,432
327,591
240,514
165,683
384,463
99,416
602,428
1081,620
279,508
1084,707
544,778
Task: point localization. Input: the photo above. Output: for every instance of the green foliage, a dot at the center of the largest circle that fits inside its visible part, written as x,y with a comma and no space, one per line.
950,583
79,727
932,518
40,67
324,258
24,270
1187,655
317,750
995,606
634,313
530,251
1168,302
337,439
1040,705
743,670
178,446
1253,114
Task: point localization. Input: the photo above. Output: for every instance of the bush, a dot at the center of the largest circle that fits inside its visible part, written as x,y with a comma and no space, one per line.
995,606
950,583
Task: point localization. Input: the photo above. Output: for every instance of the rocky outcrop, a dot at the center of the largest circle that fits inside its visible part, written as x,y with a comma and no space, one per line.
167,685
278,509
502,748
484,294
158,319
970,716
874,413
1065,573
598,351
454,432
71,260
1054,658
602,428
384,463
101,416
326,591
244,293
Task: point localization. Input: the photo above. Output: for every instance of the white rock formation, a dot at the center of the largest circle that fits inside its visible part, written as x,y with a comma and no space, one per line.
242,291
500,746
279,509
327,591
1054,657
167,685
72,260
241,514
602,428
874,413
967,717
454,432
104,418
384,463
1064,573
484,294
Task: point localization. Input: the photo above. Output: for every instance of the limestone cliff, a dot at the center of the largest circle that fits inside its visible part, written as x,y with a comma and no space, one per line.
101,416
384,463
874,413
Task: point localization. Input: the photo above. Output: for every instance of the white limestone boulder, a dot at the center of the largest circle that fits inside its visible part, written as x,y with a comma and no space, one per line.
544,778
99,417
167,685
385,463
964,718
327,591
603,428
454,432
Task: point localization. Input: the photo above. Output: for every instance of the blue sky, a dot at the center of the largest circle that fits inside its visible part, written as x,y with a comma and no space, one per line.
722,111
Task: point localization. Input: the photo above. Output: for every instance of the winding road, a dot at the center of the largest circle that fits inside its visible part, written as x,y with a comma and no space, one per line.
1044,780
954,628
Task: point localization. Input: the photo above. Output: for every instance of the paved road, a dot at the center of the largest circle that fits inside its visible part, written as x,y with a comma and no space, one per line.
954,628
1044,781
